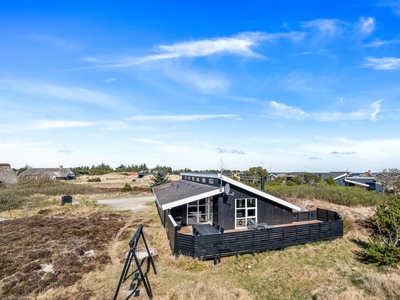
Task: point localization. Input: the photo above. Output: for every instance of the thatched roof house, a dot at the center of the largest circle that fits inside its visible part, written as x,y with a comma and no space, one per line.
7,175
52,173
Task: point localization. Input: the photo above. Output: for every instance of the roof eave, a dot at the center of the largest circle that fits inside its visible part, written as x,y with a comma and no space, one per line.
191,199
261,193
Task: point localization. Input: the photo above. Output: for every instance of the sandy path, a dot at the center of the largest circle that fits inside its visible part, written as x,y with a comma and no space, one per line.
127,203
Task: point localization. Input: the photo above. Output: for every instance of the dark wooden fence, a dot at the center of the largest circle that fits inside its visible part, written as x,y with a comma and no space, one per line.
253,241
172,231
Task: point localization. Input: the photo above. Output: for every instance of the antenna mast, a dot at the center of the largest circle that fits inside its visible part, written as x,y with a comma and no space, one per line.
222,169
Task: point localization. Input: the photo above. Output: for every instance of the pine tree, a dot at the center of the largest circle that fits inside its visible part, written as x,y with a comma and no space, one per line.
384,246
158,179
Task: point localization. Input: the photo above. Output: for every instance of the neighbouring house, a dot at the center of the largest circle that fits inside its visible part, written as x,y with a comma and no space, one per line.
326,175
365,180
272,176
52,173
212,215
7,175
368,183
322,175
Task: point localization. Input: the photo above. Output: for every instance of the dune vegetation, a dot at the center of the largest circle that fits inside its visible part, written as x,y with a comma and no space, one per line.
53,251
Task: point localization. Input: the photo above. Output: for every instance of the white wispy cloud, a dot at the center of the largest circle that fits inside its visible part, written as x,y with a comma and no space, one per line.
395,5
332,139
241,44
147,141
289,112
375,109
383,63
70,93
110,80
369,112
56,41
200,80
376,43
314,157
380,43
345,148
65,151
56,124
179,118
327,26
221,150
366,25
344,152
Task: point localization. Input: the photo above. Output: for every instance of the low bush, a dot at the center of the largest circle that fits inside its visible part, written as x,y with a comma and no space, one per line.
384,245
95,179
127,187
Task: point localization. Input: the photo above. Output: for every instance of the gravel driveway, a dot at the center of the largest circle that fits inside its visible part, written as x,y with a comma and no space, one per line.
127,203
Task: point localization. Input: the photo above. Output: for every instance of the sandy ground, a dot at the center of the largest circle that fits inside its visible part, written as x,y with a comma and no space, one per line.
127,203
118,180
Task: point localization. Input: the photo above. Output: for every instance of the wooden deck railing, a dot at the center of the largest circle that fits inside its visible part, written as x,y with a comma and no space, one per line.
253,241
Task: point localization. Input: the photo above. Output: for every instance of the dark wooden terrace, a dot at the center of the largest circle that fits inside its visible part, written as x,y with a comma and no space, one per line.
307,227
189,229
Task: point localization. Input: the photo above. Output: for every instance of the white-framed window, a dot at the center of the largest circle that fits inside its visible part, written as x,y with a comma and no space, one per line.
200,211
245,208
197,179
203,180
192,178
211,181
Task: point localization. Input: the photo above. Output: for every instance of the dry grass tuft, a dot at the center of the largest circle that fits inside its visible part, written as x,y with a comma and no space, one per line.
190,264
383,285
193,290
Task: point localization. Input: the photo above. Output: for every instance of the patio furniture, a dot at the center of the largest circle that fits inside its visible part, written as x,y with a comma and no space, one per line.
205,229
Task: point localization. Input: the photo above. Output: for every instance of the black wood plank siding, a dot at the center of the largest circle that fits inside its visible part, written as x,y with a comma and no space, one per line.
268,211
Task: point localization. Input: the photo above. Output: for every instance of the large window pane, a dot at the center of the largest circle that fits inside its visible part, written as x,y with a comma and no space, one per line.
246,209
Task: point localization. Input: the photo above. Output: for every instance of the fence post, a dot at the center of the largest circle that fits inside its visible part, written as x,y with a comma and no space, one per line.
319,231
175,240
252,244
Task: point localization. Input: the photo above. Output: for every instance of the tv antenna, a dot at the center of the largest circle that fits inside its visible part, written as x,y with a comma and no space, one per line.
220,175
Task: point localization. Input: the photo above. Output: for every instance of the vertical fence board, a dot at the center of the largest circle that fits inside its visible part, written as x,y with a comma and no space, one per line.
251,241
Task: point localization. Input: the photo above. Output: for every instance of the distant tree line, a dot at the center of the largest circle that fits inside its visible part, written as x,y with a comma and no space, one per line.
105,169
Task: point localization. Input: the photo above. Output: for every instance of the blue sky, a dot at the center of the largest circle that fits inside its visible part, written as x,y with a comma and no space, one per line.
286,85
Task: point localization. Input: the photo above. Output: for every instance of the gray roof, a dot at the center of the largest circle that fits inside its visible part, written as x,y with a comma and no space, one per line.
356,182
7,175
47,172
325,175
322,175
182,190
